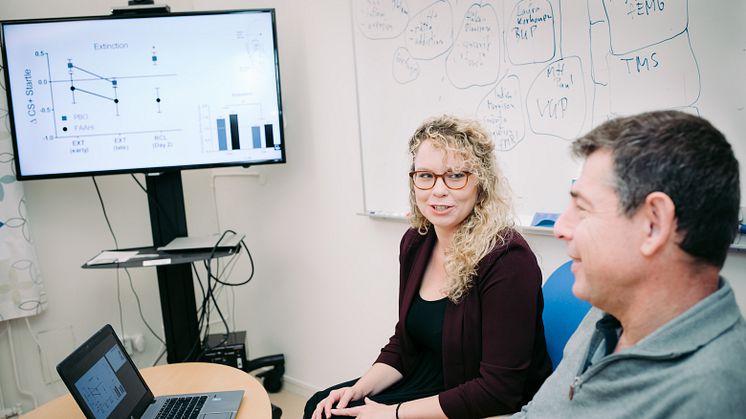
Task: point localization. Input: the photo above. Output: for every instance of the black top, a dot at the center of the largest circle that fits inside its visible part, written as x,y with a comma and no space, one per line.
425,325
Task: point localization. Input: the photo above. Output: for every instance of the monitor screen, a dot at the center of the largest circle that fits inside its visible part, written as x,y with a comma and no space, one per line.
143,93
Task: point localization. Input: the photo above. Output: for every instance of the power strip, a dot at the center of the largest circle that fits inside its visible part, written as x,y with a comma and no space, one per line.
11,413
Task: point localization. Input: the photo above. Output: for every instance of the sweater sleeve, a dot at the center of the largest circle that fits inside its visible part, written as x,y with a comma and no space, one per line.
393,353
510,294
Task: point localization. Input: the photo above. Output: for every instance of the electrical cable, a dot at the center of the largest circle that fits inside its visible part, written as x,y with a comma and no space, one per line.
219,289
116,246
6,116
155,201
162,352
212,292
233,258
139,306
2,86
15,368
132,287
2,396
201,315
251,262
6,120
233,306
2,399
226,272
119,304
220,313
106,216
205,309
205,347
230,265
32,333
199,281
210,295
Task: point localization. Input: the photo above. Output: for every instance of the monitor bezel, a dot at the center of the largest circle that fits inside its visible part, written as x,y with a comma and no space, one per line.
148,169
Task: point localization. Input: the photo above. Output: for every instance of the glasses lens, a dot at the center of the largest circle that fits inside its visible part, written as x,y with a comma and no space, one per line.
452,180
423,180
455,180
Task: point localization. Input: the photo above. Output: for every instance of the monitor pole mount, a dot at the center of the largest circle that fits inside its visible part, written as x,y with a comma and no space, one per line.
137,7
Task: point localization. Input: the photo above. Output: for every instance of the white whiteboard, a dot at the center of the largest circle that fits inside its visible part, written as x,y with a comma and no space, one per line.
537,74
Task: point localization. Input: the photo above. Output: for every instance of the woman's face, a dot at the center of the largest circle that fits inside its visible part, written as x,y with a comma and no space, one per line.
445,208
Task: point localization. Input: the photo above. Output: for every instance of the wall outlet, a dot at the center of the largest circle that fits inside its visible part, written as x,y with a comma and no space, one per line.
134,343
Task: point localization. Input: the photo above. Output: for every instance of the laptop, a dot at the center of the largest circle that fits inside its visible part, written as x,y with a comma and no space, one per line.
207,242
106,384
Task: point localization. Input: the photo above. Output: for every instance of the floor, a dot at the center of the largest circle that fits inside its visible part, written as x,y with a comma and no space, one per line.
290,403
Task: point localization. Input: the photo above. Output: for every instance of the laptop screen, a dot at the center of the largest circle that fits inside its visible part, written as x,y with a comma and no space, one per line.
103,379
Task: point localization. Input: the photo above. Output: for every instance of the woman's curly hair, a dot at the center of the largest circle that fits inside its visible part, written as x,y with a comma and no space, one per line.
490,223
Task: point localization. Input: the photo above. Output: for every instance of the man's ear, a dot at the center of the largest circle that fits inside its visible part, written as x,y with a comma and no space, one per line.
658,214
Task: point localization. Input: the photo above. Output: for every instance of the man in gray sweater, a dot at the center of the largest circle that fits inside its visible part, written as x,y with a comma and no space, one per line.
648,229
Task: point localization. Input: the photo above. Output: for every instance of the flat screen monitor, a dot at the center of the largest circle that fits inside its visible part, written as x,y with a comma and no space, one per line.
143,93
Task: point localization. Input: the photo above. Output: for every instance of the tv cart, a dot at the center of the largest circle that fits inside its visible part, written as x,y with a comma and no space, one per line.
175,282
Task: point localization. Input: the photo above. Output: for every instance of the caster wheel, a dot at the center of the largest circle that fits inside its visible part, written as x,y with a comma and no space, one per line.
272,383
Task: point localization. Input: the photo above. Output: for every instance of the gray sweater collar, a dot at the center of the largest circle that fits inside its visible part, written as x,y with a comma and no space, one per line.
694,328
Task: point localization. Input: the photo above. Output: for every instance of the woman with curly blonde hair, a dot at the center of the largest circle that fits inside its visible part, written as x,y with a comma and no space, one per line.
470,341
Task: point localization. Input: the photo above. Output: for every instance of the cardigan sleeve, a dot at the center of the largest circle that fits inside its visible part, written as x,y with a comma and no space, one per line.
509,287
393,353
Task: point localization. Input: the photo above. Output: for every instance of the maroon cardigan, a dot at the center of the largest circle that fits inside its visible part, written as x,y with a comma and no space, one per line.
494,353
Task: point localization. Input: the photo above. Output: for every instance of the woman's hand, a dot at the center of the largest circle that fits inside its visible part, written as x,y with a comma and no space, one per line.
370,410
341,397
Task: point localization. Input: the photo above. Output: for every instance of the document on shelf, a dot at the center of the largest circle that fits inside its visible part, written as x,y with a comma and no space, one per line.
112,256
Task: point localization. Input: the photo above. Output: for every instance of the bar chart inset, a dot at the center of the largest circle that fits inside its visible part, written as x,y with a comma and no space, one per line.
262,135
222,138
268,136
256,136
235,144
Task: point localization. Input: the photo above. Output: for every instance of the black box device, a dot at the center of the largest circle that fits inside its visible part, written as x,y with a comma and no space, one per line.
230,350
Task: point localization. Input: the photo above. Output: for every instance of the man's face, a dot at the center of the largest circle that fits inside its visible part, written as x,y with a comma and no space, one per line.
603,243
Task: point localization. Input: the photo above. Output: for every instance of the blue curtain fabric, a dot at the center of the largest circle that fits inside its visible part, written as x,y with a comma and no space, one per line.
21,287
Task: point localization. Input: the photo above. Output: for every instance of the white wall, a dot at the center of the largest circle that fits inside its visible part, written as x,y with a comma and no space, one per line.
325,287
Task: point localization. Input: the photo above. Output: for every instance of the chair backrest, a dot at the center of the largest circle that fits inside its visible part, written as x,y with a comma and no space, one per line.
562,311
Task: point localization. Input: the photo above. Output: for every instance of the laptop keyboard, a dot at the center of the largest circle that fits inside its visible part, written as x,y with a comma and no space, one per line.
181,408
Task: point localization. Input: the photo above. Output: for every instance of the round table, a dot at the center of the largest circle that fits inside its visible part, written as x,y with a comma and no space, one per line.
186,377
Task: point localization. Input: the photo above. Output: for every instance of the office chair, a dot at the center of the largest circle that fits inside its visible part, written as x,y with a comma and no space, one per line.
562,311
271,378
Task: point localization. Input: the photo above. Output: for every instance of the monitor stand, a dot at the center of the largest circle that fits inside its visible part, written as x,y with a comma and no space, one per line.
176,286
175,283
138,7
168,221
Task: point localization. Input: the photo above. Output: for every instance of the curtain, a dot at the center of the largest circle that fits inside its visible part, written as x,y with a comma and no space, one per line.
21,287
